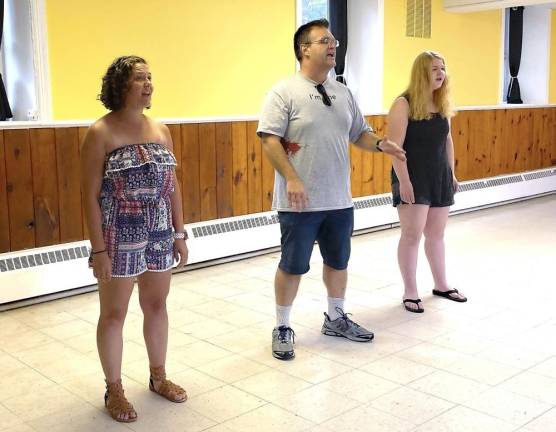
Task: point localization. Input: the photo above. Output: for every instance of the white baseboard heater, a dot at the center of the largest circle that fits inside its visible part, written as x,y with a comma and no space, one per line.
40,274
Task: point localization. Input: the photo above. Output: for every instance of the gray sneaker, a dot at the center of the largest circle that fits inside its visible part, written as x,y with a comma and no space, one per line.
283,339
344,327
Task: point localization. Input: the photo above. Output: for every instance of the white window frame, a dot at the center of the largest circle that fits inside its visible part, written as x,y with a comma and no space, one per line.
43,86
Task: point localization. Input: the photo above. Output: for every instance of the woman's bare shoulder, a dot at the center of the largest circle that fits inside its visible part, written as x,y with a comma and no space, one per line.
101,127
164,133
400,103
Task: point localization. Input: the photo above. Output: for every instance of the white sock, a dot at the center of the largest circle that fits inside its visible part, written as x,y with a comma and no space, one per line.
334,303
283,315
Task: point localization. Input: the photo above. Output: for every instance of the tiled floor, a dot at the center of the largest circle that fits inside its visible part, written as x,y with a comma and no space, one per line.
487,365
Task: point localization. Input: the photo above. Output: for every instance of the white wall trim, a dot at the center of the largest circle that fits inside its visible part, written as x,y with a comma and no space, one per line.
187,120
40,60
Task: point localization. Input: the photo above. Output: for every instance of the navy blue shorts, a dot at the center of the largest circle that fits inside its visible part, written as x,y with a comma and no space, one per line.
332,229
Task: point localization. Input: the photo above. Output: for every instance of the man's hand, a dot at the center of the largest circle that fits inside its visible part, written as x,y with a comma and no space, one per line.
297,197
392,149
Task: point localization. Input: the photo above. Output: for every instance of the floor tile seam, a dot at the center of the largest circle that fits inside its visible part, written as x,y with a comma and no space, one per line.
31,367
466,407
537,417
553,403
56,411
460,402
407,383
445,369
360,369
232,382
234,385
213,315
347,395
399,417
360,404
465,404
443,333
223,422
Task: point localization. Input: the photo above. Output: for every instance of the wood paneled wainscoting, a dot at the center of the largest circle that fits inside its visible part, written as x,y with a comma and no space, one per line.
223,173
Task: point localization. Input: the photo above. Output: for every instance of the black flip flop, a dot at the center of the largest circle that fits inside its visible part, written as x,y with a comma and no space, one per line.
447,294
414,310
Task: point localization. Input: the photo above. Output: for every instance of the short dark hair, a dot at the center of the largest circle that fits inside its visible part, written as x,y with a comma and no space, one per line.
302,35
115,81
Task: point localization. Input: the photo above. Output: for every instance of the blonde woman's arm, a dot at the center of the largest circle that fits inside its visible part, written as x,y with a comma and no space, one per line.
451,158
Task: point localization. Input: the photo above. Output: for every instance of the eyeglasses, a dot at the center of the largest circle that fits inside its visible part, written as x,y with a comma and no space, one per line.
324,41
325,98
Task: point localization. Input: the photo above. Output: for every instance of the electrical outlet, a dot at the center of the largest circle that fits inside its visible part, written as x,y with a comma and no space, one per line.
32,115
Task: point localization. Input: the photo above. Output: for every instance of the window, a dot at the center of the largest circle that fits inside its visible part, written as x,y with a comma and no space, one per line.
312,10
534,69
25,60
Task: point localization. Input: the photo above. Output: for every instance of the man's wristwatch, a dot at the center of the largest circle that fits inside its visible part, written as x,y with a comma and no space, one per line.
180,236
377,145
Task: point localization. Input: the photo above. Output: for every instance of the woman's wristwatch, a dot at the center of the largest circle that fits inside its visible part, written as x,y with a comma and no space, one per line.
377,145
180,236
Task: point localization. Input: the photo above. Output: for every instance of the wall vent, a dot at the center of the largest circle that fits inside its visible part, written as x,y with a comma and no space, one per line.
471,186
418,18
539,174
236,225
43,258
504,180
372,202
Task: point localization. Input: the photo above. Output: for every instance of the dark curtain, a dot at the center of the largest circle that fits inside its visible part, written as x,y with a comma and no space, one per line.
514,54
5,111
337,10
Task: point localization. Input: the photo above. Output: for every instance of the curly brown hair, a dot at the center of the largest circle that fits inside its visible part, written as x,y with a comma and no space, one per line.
115,81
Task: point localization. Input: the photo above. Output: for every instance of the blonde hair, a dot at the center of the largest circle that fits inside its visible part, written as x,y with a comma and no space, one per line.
419,89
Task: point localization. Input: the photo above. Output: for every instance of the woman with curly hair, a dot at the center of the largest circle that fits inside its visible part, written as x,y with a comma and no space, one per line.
135,220
423,187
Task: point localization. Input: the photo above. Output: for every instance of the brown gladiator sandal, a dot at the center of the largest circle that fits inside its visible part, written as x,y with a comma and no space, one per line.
167,389
117,404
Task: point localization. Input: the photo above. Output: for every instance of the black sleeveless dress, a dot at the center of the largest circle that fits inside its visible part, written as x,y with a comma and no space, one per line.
427,163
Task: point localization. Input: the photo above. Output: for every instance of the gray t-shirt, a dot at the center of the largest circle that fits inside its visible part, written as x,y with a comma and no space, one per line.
316,139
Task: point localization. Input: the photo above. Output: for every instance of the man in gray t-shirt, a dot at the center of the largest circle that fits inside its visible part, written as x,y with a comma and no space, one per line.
306,126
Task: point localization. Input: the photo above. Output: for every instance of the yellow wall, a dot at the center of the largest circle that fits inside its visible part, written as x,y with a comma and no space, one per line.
552,77
219,57
470,43
208,58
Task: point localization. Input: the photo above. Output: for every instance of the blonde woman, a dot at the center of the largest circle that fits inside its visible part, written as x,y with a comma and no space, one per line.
423,187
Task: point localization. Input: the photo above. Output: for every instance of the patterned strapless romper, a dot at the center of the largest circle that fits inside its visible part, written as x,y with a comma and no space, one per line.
136,210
